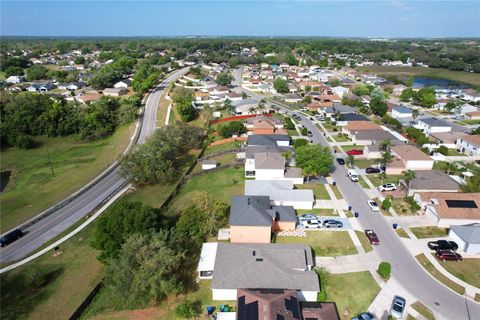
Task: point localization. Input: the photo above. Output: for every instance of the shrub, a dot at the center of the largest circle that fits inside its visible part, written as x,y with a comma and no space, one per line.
299,143
443,150
35,278
384,269
304,131
188,309
413,204
387,203
323,277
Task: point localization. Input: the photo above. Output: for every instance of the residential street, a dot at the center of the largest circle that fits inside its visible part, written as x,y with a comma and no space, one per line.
444,302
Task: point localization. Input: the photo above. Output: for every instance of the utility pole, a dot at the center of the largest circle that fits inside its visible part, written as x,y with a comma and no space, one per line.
50,162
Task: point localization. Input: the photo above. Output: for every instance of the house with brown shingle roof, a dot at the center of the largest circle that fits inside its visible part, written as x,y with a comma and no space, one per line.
408,157
469,145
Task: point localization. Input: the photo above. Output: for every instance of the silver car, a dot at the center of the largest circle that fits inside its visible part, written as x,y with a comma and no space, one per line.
397,310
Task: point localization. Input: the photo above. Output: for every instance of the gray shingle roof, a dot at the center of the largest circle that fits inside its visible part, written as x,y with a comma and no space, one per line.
277,190
250,211
469,233
402,109
266,266
269,160
352,117
252,150
266,139
374,135
434,122
433,180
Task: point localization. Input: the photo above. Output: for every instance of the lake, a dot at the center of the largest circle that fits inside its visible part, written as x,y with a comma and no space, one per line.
420,82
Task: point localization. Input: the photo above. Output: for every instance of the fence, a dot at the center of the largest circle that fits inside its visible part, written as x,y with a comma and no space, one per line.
88,300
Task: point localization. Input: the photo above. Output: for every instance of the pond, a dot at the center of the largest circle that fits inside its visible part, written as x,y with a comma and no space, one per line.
4,178
420,82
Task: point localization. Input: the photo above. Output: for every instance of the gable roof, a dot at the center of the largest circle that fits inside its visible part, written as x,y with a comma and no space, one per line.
402,109
252,150
352,117
469,233
277,190
374,135
361,125
269,160
409,152
267,304
266,139
433,180
439,201
473,139
434,122
250,211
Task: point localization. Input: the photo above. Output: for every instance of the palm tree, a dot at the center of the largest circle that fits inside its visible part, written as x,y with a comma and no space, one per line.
387,156
244,95
385,144
408,176
252,110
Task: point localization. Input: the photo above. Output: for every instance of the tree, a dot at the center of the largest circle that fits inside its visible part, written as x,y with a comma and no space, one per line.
384,269
148,268
224,79
333,82
79,60
13,71
378,107
417,135
314,160
183,99
406,95
350,160
386,203
443,150
280,85
120,221
472,185
408,176
425,97
232,128
299,143
36,72
386,157
386,144
189,309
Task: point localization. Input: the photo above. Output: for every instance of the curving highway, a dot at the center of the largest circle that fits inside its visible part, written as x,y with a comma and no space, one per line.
57,222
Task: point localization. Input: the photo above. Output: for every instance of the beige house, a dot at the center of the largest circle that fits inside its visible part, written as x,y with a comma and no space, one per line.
408,157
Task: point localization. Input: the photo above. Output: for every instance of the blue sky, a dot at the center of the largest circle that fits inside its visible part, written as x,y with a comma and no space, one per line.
354,18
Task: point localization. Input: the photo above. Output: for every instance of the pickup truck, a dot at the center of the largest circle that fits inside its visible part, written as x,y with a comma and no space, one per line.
442,245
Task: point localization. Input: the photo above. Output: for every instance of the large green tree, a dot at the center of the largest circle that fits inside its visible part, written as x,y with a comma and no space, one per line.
314,160
224,79
280,85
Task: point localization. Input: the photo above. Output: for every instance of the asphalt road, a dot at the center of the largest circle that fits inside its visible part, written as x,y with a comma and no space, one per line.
49,227
444,302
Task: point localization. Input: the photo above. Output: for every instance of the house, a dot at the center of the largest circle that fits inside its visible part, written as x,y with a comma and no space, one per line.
354,126
233,96
245,106
282,140
271,166
469,145
76,85
467,237
373,151
125,83
464,109
115,92
448,139
88,97
398,89
41,87
369,137
473,115
15,79
471,95
340,91
430,181
265,125
408,157
281,193
233,266
450,208
346,118
401,112
432,125
209,164
253,219
293,98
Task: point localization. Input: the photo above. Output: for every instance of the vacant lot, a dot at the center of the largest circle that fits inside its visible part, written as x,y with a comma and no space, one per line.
467,270
70,278
440,277
324,243
33,188
353,292
429,232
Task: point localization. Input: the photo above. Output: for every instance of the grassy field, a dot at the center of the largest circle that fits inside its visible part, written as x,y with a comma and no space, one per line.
467,270
341,138
162,109
429,232
70,277
423,310
459,76
33,188
437,275
319,190
364,241
353,292
363,184
319,212
222,147
221,160
324,243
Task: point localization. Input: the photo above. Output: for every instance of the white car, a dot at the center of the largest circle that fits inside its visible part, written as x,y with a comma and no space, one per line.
310,223
373,205
307,216
387,187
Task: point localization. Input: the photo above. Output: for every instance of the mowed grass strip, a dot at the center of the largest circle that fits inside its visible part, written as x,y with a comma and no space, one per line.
467,270
364,241
423,310
32,187
429,232
437,275
352,292
324,243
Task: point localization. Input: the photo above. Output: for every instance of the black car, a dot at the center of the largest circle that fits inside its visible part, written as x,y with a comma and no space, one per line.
372,170
442,245
10,237
341,161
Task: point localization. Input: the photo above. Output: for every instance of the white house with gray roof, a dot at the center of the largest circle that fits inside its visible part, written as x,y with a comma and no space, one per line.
467,237
234,266
431,125
281,193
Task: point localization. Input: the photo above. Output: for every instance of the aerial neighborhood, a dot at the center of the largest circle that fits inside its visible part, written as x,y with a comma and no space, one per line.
240,181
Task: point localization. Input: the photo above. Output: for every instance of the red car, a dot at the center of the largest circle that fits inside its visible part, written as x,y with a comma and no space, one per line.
372,237
355,152
449,255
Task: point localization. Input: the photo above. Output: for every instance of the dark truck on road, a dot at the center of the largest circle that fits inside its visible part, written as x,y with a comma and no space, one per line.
10,237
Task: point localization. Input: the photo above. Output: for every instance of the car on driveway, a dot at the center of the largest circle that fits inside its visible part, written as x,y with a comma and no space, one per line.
448,255
355,152
372,237
387,187
397,311
330,223
442,245
372,170
307,216
310,223
364,316
341,161
373,205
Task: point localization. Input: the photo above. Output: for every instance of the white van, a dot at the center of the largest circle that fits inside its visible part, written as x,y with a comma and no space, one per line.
353,175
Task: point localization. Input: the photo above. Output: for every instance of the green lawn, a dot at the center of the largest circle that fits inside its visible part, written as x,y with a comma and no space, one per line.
324,243
401,233
365,163
437,275
337,192
319,190
471,122
423,310
329,127
223,147
477,297
363,184
429,232
71,276
376,180
319,212
162,109
353,292
221,160
75,163
341,138
293,133
467,270
364,240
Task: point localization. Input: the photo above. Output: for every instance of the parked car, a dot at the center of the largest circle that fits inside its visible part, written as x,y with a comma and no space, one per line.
373,205
307,216
353,175
309,134
448,255
372,237
387,187
355,152
398,307
310,223
442,245
341,161
10,237
332,224
364,316
372,170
